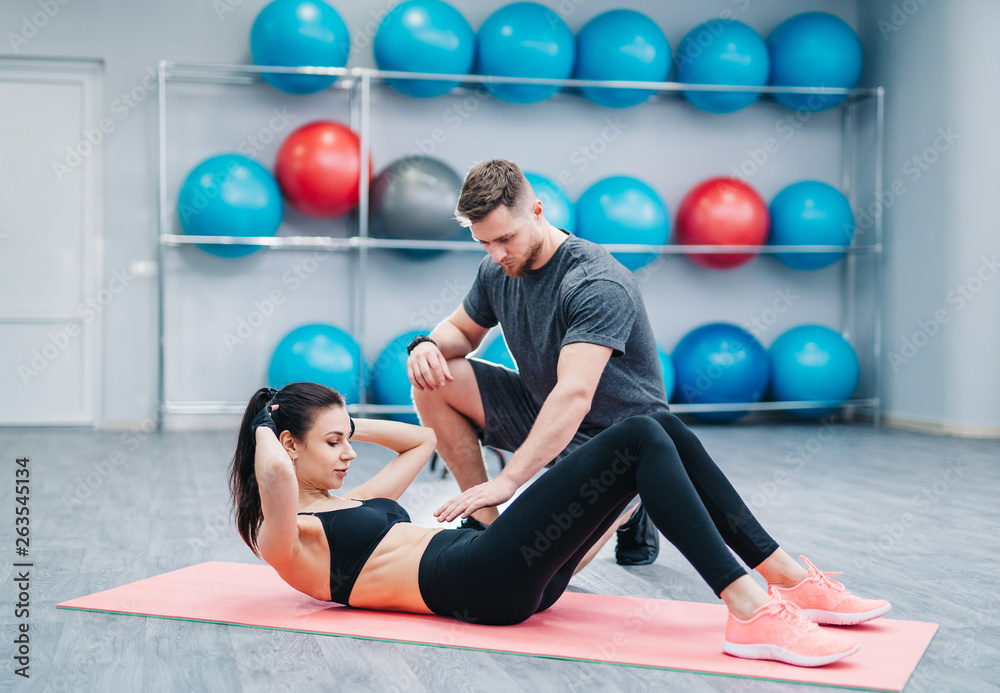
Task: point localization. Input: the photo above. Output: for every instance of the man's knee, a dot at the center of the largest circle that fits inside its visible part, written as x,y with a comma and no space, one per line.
461,395
423,397
457,367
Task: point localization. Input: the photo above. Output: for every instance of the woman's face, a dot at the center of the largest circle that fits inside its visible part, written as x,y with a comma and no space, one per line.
322,459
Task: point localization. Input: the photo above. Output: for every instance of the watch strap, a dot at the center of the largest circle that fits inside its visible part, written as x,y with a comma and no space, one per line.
419,339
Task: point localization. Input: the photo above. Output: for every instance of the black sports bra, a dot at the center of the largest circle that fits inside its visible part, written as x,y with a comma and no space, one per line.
353,533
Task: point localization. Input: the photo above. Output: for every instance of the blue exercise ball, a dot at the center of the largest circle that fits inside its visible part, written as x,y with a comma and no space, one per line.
720,363
723,51
425,36
810,363
230,195
297,33
667,368
557,208
814,49
810,213
497,352
390,380
621,45
525,39
321,354
622,209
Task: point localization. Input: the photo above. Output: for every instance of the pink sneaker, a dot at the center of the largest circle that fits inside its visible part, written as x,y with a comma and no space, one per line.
826,602
778,630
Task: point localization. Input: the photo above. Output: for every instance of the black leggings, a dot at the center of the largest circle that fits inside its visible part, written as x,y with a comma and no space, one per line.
521,563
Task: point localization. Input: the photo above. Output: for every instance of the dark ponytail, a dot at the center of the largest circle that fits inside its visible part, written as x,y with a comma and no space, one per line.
300,403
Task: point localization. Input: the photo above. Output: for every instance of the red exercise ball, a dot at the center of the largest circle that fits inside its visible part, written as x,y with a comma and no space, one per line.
319,169
722,211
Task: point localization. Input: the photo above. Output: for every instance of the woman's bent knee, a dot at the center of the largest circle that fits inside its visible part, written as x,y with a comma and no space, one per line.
645,426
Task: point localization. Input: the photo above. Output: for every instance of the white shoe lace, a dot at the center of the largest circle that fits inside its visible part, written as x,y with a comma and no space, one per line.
787,611
821,578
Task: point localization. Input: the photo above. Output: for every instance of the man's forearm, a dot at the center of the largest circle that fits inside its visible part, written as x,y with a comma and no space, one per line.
556,424
450,340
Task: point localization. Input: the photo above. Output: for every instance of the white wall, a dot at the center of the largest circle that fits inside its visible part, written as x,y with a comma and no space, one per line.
669,145
50,233
940,354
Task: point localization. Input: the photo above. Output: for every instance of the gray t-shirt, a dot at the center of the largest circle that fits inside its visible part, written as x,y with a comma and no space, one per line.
581,294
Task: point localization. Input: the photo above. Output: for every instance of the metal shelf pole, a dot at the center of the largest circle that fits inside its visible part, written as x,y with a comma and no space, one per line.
161,92
877,308
363,232
329,243
847,326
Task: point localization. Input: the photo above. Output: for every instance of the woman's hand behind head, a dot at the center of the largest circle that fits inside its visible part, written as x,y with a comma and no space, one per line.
264,419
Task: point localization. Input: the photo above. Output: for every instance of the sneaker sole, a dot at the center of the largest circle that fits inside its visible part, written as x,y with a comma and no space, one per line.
832,618
780,654
627,561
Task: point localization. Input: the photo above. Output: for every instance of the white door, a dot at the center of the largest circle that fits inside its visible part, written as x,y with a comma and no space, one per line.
50,202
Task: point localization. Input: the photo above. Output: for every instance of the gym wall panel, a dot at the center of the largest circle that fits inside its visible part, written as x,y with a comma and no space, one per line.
42,206
942,146
50,389
49,248
972,272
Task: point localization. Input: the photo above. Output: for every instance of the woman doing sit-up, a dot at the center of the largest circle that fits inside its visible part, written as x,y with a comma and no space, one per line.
360,549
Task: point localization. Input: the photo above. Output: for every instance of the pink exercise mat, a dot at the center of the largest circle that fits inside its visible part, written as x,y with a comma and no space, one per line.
658,633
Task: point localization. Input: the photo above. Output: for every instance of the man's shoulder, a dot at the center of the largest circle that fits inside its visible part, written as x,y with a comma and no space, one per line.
593,264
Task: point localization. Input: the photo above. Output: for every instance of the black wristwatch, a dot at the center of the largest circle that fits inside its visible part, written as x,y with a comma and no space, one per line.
419,339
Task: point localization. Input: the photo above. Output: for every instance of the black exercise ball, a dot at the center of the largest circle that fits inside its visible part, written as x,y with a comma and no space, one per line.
414,198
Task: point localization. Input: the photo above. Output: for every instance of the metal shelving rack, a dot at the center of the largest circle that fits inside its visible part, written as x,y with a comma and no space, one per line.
359,82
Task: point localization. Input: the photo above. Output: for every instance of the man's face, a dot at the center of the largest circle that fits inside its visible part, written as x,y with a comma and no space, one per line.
511,237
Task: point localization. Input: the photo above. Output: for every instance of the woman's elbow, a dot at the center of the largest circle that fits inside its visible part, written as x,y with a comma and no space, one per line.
273,469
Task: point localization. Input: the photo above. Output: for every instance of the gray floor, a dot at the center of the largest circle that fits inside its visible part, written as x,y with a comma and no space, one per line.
908,517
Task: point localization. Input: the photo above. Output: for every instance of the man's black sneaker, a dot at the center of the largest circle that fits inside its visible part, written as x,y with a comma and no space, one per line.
638,540
472,523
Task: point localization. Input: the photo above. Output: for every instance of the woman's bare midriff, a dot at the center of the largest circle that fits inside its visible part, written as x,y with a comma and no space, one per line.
389,579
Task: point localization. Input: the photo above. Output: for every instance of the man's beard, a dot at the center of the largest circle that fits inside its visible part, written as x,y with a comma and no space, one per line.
519,269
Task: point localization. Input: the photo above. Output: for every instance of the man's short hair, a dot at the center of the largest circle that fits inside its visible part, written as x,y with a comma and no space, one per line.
487,186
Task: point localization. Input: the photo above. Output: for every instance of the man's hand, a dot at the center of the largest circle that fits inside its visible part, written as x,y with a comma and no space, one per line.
488,495
427,368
